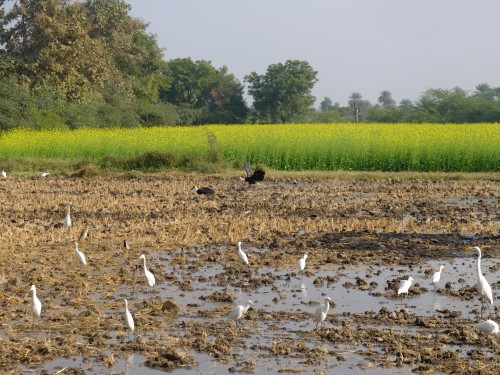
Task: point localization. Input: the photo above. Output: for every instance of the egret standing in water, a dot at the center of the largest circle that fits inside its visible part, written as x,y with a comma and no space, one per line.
242,254
404,286
67,218
321,311
437,276
483,287
489,327
149,275
36,305
239,310
79,255
302,262
129,320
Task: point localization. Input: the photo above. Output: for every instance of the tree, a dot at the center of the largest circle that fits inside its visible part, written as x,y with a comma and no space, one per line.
225,104
203,93
283,94
385,99
49,43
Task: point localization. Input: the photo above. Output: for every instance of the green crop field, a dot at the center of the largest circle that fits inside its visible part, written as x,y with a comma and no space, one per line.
365,147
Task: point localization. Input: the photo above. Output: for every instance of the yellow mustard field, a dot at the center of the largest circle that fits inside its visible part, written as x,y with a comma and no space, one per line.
385,147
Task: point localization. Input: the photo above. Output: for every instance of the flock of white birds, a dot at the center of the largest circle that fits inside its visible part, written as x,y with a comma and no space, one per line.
489,326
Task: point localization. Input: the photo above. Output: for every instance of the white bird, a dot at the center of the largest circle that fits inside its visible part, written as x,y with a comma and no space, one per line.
483,287
79,255
129,320
126,246
149,275
489,327
302,262
36,305
67,218
437,276
404,285
321,311
239,310
241,254
4,174
45,174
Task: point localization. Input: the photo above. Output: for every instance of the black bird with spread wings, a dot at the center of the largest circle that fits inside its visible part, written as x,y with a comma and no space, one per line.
252,177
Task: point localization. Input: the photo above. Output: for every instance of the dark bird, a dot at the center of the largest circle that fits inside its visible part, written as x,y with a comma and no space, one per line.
252,177
203,190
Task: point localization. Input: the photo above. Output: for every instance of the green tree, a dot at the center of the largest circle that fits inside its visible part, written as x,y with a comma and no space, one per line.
385,99
202,93
49,43
225,103
283,94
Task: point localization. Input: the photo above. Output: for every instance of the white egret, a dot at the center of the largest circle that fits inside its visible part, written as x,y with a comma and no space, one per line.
36,305
489,327
126,245
45,174
437,276
129,320
404,286
483,287
67,218
302,262
241,254
79,255
239,310
149,275
321,311
4,174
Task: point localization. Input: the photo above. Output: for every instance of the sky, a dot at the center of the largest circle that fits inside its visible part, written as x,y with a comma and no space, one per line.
367,46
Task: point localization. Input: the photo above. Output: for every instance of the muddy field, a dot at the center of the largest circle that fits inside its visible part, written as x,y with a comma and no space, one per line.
361,237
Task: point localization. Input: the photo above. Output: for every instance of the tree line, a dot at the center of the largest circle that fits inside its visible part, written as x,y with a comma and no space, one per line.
68,64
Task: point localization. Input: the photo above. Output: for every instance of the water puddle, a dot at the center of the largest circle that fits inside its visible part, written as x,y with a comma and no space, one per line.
354,289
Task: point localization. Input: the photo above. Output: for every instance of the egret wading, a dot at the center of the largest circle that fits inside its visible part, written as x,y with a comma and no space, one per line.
302,262
149,275
489,327
321,311
79,255
483,287
404,286
253,177
67,218
238,311
36,305
242,254
129,320
437,276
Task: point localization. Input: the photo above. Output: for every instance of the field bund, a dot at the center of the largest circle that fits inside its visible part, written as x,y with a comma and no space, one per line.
345,146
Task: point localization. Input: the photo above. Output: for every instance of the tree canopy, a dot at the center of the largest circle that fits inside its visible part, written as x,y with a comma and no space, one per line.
73,63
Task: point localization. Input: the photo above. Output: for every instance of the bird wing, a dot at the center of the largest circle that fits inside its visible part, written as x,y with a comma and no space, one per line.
248,168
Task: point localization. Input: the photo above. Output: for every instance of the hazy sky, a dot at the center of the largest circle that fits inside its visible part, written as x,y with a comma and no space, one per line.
404,46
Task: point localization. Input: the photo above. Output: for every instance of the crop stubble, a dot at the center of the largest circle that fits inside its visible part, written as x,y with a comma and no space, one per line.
338,222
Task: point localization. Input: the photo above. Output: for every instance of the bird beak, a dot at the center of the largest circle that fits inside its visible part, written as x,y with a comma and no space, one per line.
468,248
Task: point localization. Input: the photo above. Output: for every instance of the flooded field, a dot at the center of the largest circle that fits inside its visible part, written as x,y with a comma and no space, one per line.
361,238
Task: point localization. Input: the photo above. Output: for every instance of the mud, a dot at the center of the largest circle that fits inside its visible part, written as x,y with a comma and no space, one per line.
361,237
